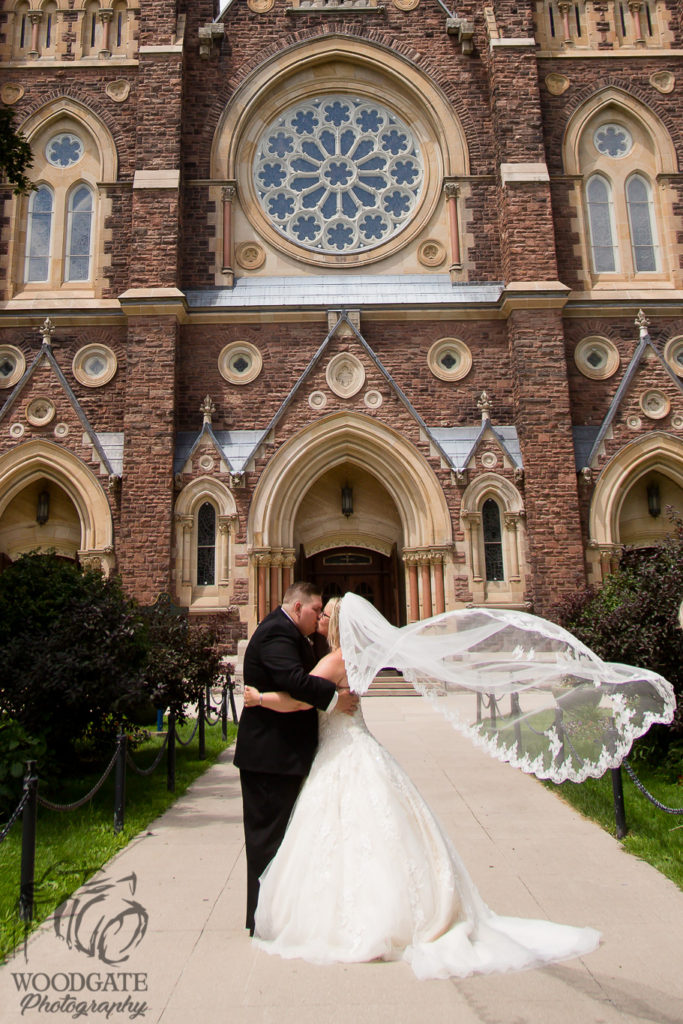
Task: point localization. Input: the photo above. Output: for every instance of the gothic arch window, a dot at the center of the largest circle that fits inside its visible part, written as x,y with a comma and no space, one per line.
623,152
49,29
492,514
205,523
90,29
60,248
493,540
79,234
22,30
206,545
39,234
601,224
119,30
641,223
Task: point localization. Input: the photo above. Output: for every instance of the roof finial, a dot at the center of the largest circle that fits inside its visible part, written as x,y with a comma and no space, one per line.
47,330
207,408
484,403
642,323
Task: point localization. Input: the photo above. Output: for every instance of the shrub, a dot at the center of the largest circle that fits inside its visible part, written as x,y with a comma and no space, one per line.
74,650
634,618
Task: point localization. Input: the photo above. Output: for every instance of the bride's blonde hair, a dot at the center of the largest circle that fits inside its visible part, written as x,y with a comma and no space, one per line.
333,638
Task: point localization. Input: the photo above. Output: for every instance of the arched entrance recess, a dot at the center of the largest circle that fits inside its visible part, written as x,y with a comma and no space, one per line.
619,510
46,463
353,440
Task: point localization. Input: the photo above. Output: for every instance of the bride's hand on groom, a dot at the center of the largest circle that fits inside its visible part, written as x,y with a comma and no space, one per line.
347,702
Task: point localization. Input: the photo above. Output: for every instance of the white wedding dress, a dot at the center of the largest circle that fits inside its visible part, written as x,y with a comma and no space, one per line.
365,872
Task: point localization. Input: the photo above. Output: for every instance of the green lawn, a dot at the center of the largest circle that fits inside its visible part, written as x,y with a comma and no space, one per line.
653,835
73,845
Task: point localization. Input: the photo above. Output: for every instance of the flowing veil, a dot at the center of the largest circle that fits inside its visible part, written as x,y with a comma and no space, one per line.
524,689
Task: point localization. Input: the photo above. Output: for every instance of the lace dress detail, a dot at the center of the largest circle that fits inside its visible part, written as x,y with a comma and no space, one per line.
365,872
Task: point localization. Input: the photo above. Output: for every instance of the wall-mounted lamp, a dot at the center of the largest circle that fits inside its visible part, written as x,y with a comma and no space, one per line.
654,505
347,500
43,509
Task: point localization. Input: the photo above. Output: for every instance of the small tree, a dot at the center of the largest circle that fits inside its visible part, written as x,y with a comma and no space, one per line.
15,153
73,649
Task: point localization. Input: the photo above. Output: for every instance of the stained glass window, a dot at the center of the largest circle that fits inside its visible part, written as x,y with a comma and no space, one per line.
600,218
338,174
39,232
639,203
206,545
493,541
613,140
64,150
79,230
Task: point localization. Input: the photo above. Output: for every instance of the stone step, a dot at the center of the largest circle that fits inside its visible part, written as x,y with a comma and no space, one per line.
390,684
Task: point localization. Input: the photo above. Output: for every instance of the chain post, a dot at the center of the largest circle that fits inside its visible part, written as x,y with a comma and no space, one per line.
201,711
28,843
619,806
233,708
120,782
224,711
170,753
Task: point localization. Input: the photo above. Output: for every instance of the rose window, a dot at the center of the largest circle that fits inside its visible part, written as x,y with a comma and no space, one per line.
64,150
338,174
613,140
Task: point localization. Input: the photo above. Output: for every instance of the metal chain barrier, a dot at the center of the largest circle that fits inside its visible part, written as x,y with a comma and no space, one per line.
147,771
653,800
88,796
15,814
185,743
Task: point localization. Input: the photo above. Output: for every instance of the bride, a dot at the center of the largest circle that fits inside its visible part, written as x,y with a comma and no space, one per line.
404,892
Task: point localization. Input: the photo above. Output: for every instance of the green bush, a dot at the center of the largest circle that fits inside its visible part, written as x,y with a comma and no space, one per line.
16,748
634,618
81,659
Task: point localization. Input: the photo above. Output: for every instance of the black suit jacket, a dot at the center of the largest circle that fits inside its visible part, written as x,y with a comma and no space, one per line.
278,657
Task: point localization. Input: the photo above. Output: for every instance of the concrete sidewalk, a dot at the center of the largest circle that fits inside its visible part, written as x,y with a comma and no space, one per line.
529,853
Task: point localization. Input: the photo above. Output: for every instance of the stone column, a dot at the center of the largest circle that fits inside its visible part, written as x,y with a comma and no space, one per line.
472,522
426,580
564,8
511,520
186,524
105,15
225,527
35,17
228,195
439,596
452,192
410,560
275,581
262,562
635,7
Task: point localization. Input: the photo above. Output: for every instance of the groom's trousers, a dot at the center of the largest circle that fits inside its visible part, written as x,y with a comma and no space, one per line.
267,802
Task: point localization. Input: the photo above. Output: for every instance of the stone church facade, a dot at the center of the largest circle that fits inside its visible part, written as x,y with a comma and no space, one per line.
387,295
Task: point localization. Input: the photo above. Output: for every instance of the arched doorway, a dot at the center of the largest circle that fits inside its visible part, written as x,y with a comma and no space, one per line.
629,503
40,480
41,517
398,511
348,532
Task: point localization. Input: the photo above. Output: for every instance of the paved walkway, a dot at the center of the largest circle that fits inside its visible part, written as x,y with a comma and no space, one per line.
530,854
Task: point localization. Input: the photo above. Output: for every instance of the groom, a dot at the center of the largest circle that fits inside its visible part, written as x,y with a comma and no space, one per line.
274,751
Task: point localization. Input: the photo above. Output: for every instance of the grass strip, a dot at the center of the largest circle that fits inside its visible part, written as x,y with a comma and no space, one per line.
653,835
72,845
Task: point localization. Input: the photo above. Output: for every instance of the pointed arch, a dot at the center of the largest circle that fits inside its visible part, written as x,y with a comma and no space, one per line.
39,459
348,437
657,452
64,109
617,101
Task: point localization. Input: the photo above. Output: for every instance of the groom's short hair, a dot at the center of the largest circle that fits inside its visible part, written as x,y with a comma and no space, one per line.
301,591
